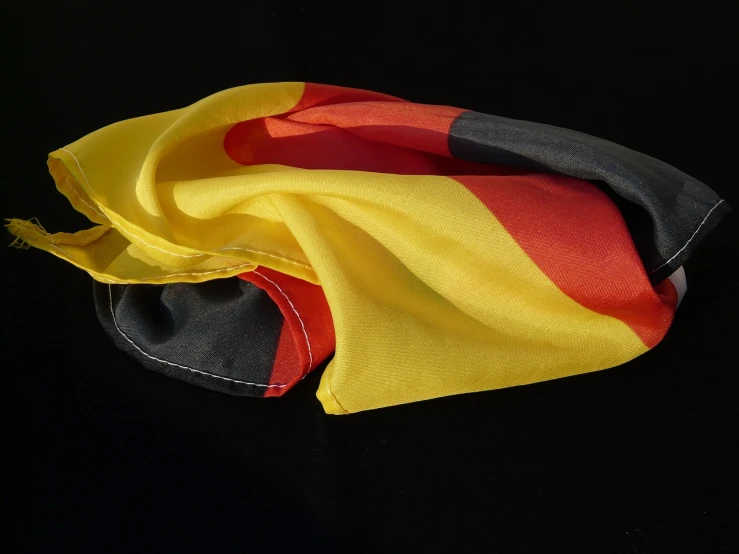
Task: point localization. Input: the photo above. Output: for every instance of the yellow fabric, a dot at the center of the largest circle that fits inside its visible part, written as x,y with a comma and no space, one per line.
120,175
417,291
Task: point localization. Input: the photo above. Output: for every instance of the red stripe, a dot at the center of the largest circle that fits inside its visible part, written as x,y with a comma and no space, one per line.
286,366
577,237
335,128
418,127
315,95
308,320
286,142
568,227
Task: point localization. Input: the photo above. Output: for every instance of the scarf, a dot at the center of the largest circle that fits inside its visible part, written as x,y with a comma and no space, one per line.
240,241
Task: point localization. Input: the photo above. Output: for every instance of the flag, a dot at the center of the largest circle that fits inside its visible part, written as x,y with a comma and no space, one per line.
243,239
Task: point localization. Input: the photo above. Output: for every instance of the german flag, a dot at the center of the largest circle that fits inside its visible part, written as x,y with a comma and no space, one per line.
242,240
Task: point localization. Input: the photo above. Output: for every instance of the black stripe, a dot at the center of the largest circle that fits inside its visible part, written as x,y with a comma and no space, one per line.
677,204
221,334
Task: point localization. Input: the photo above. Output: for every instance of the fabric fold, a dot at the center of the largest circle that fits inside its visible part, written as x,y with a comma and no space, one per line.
256,336
441,251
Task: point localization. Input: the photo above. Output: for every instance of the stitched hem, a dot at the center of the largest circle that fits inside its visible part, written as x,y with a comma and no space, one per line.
205,373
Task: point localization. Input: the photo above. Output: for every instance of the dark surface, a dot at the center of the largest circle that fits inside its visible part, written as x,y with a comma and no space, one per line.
106,456
187,331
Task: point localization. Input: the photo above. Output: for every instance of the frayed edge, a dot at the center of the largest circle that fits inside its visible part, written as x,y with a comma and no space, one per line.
27,233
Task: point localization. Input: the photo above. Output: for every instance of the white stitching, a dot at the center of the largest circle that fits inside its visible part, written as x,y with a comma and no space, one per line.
112,311
307,266
93,208
197,272
690,239
122,282
87,181
310,353
222,249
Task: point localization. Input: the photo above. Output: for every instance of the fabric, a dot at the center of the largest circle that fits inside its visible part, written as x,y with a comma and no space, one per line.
243,337
457,251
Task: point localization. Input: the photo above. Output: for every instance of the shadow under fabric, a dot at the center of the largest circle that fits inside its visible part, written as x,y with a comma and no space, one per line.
440,251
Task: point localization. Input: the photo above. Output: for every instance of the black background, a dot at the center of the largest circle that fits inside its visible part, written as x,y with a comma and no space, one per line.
109,457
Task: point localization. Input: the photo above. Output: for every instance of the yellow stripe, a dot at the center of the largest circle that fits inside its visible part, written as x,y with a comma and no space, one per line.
430,295
120,167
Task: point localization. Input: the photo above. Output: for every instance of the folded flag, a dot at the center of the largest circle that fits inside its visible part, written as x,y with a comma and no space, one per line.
437,250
